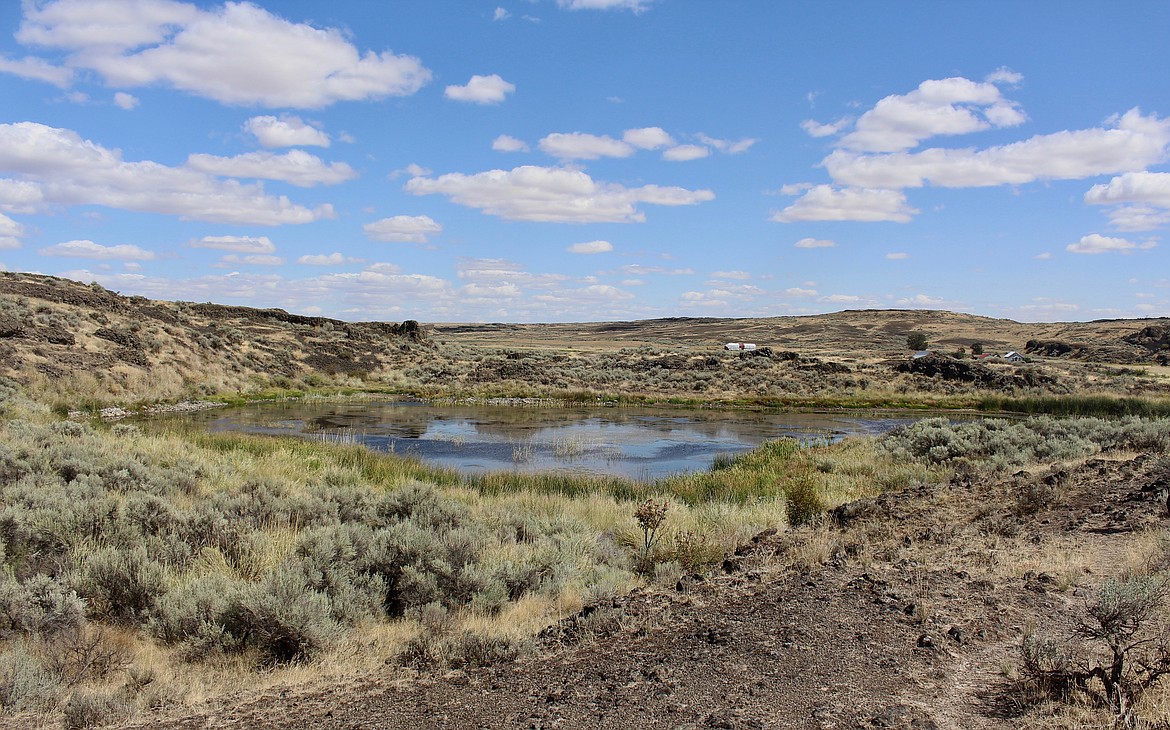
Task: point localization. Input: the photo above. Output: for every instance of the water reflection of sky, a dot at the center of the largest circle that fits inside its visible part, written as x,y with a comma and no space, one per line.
638,443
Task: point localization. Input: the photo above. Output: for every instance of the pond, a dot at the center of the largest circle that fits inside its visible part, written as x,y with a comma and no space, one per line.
642,443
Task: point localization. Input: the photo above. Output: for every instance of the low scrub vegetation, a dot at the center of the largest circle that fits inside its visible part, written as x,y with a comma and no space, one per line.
1002,444
132,553
143,565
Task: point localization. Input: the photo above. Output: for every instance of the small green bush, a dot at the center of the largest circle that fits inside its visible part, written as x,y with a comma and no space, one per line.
803,503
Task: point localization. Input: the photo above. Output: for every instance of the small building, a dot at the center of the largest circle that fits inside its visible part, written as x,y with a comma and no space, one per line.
739,346
1013,356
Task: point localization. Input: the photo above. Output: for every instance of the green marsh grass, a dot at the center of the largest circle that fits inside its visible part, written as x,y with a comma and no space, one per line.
1079,405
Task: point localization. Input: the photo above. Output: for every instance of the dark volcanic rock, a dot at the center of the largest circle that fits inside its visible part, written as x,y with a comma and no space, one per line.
1153,338
948,368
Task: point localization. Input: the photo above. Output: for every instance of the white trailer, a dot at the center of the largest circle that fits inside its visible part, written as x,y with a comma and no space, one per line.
739,346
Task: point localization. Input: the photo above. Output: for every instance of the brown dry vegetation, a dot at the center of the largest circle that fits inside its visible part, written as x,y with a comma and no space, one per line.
81,346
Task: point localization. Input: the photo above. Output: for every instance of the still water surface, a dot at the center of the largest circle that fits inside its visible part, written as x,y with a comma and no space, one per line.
638,443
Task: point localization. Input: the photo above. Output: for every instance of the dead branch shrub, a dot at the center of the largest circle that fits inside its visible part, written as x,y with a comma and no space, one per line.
465,650
1033,498
1120,648
693,551
85,653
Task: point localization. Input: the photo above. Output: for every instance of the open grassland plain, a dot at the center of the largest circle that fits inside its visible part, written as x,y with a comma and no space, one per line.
998,573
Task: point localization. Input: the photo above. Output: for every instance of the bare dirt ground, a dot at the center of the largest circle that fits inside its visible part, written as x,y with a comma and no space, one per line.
906,613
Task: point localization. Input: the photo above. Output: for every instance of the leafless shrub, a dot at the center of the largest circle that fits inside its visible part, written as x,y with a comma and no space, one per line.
1120,649
85,652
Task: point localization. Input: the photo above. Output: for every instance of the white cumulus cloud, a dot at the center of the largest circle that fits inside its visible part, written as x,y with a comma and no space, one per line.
937,107
10,232
828,129
1095,243
69,170
235,53
37,69
481,90
295,167
814,243
580,146
287,131
505,143
1133,143
647,138
84,249
590,247
238,244
125,101
552,194
19,196
826,203
685,152
333,259
1141,200
636,5
726,145
402,229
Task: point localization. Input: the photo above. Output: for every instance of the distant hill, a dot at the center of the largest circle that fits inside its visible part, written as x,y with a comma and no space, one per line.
79,344
61,335
860,334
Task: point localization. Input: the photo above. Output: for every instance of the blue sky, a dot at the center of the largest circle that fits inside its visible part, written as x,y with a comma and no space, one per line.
586,160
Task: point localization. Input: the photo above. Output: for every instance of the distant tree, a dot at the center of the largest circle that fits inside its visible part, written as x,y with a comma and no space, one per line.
960,354
916,341
977,349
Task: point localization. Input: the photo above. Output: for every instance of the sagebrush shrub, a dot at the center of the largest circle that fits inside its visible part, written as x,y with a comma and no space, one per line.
193,614
120,586
1003,445
24,683
89,708
40,605
281,619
